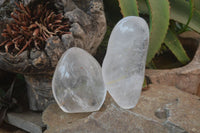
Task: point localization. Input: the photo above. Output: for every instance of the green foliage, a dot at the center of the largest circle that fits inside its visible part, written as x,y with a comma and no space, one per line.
185,13
172,42
159,21
197,5
128,7
190,16
142,5
181,12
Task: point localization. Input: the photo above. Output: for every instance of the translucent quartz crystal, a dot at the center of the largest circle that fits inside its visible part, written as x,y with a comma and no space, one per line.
77,82
124,64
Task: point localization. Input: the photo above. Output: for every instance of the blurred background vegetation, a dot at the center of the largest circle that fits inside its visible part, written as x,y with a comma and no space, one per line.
167,19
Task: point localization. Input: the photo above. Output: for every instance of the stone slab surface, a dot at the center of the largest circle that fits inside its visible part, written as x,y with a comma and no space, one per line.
161,109
6,128
28,121
5,131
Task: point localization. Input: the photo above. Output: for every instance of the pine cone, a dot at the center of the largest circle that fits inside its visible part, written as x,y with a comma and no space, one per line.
32,27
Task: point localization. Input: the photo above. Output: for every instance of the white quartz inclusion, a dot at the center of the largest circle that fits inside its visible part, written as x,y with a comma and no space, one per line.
124,64
77,82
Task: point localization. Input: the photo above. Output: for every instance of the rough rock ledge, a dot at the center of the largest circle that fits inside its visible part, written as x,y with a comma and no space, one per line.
161,109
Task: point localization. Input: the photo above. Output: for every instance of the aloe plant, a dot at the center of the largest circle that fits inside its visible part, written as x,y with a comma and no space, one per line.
160,12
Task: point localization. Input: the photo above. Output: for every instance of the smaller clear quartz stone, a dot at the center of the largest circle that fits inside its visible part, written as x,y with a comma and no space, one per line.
77,82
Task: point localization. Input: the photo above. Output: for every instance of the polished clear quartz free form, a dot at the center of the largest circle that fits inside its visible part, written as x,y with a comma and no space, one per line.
124,64
77,82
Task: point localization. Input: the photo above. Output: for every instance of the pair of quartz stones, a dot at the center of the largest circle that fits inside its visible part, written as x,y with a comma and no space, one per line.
80,84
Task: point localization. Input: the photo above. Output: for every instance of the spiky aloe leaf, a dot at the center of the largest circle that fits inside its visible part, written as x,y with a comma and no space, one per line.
128,7
173,43
197,5
142,6
191,2
180,12
145,85
159,20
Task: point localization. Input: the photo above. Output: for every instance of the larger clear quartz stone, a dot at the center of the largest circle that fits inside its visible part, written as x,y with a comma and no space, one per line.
124,64
77,82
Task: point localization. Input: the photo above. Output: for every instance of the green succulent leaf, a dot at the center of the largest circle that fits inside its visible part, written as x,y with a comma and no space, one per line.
197,5
173,43
159,20
128,7
142,6
181,11
145,83
191,2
